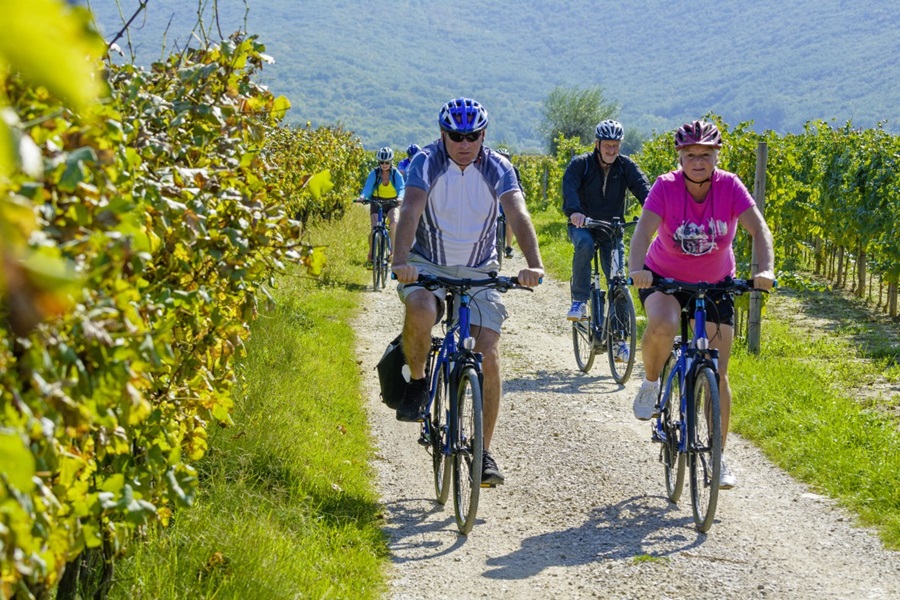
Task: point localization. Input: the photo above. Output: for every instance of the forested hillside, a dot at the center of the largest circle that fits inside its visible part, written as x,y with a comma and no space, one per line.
383,67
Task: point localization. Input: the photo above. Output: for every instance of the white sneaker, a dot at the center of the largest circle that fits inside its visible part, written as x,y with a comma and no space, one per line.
621,352
727,480
645,401
578,312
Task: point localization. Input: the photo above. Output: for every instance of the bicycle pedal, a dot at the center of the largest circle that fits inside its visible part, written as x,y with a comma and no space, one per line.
423,441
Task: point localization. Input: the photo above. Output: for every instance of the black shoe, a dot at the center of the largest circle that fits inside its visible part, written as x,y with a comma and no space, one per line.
415,399
490,472
508,252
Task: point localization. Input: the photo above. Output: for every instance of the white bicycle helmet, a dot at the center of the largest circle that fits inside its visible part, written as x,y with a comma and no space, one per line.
385,155
610,130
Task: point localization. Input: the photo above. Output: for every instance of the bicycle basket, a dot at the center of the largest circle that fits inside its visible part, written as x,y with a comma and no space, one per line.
390,374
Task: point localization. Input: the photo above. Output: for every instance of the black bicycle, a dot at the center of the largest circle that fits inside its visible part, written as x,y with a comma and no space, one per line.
688,422
380,240
453,430
617,332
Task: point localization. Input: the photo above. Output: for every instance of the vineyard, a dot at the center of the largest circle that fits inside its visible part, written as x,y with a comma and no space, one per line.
144,215
832,199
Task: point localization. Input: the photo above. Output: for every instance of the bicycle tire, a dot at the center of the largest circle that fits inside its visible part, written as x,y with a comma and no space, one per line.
583,342
385,251
705,446
670,416
468,451
621,325
439,429
376,258
501,239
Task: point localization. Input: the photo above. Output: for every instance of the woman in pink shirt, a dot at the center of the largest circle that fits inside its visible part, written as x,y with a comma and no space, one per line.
695,211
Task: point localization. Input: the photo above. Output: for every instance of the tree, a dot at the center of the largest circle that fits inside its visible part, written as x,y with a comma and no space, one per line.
574,113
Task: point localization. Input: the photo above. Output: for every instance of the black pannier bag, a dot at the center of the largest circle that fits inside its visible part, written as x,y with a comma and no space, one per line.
390,374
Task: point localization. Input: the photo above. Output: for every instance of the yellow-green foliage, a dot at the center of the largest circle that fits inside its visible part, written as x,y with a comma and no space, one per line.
166,205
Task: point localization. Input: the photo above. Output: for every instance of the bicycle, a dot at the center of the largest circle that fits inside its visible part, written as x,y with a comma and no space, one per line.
691,431
618,331
380,240
453,428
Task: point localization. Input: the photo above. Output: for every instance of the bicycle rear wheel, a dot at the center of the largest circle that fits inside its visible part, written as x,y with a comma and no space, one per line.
672,460
621,327
439,429
583,341
501,239
377,258
468,451
385,251
705,437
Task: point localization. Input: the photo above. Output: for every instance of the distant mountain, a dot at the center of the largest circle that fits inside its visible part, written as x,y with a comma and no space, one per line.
383,68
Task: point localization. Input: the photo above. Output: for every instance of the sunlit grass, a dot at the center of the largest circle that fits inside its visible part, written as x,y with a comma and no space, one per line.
287,508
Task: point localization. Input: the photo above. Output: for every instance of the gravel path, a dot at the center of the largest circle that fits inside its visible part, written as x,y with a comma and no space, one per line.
583,513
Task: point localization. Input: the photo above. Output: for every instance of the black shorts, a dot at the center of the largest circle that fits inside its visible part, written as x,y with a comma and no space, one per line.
719,303
385,206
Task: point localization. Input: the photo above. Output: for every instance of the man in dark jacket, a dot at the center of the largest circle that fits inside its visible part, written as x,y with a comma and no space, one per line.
594,186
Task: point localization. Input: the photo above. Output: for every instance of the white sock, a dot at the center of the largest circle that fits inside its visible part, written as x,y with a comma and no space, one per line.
648,384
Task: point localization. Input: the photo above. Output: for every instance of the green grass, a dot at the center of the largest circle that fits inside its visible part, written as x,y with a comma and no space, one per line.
287,508
795,402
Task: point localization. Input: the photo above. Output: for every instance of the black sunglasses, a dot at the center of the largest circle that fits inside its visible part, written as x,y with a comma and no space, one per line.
385,162
459,137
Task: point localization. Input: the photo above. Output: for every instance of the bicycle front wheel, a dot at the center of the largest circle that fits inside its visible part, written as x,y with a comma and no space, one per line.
705,447
468,450
670,420
377,258
385,252
621,334
439,429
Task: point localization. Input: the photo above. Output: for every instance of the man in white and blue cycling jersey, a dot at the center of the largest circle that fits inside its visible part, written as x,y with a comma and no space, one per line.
448,226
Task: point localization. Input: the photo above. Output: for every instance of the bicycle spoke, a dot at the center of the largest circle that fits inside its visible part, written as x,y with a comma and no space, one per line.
705,440
622,334
469,450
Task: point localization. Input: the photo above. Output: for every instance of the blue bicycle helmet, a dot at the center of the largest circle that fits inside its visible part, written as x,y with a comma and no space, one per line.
412,150
385,155
610,130
463,115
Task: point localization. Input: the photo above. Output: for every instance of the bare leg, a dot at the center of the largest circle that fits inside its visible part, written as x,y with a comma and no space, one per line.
421,311
488,343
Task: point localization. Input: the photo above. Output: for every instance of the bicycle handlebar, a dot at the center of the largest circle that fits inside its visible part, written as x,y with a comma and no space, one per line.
607,225
498,282
667,285
375,200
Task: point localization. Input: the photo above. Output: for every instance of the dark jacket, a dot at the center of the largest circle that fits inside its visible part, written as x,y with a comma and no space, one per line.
583,186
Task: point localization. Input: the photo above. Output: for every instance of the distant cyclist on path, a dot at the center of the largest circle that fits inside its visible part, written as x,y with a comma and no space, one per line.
384,183
594,186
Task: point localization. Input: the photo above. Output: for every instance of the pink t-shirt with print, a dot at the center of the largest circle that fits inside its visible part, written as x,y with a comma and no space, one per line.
694,240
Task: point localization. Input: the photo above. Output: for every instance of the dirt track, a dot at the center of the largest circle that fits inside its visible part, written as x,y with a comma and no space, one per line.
583,513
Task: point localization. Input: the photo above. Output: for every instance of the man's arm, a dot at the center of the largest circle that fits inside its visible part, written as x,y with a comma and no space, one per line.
517,216
572,179
410,212
637,181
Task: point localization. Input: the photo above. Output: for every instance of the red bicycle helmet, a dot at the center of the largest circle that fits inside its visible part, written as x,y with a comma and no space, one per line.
698,133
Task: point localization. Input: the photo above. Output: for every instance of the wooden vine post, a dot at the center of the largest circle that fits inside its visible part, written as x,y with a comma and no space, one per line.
759,194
